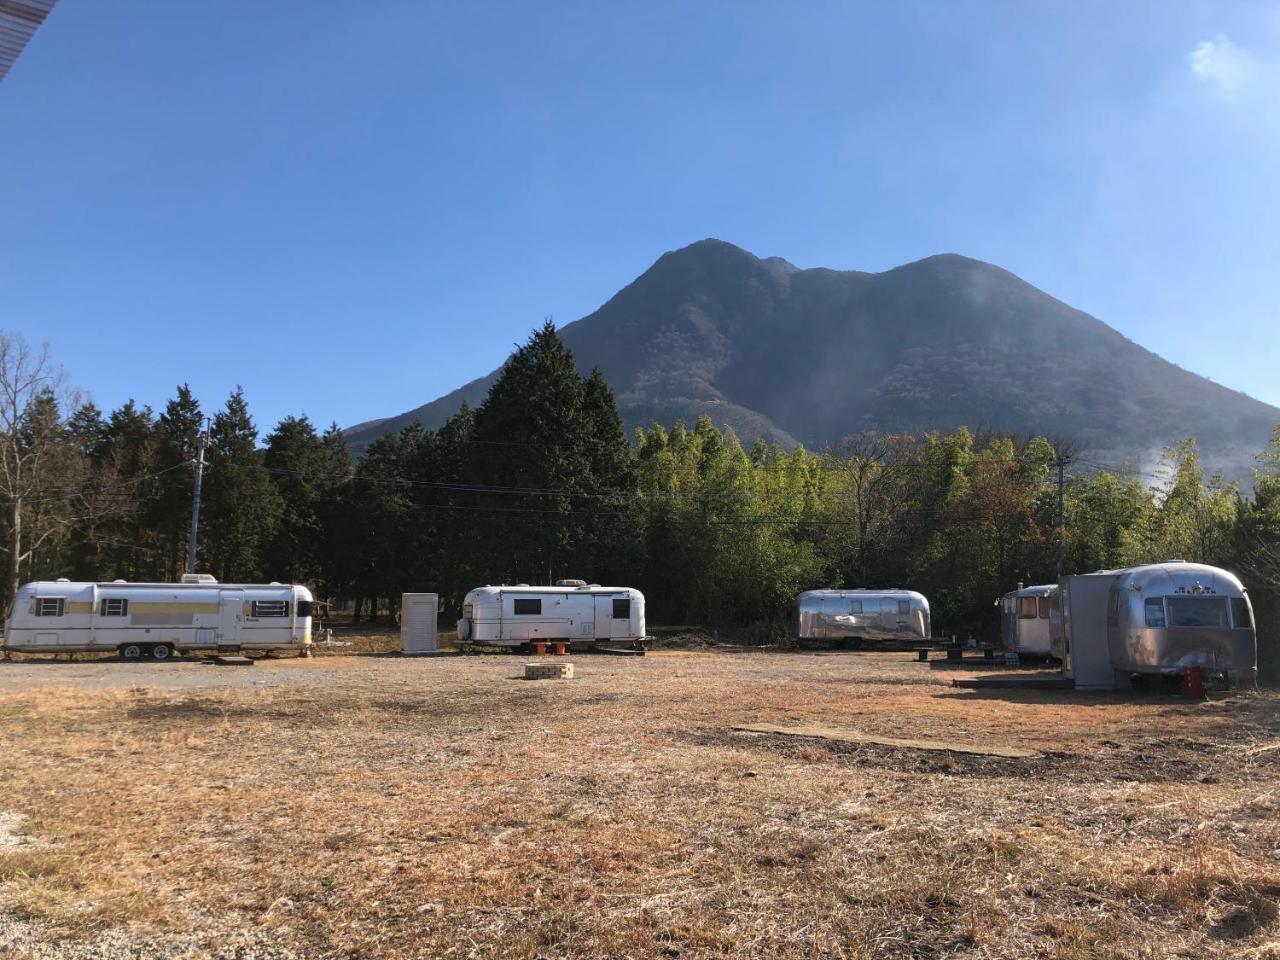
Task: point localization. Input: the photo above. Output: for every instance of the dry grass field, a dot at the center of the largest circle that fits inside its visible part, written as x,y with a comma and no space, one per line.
373,806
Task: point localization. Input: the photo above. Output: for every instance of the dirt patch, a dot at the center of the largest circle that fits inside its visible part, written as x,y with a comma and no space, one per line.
833,734
12,833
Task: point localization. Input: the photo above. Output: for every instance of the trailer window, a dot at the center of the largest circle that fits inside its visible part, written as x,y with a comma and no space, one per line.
1154,608
270,608
1028,608
306,608
1197,611
622,609
1240,618
855,606
904,606
1045,604
50,606
113,607
467,609
527,608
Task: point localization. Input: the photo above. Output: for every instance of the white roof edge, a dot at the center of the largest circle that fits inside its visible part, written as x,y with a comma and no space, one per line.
179,586
527,589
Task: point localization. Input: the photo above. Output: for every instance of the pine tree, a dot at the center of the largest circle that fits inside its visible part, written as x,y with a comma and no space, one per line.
241,509
530,440
612,541
383,508
177,431
335,517
127,462
300,466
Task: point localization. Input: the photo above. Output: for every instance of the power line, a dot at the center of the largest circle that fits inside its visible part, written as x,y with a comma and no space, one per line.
90,491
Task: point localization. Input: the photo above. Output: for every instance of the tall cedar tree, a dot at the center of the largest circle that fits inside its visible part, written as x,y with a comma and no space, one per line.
614,537
83,552
177,432
127,458
549,440
338,524
244,507
381,501
302,468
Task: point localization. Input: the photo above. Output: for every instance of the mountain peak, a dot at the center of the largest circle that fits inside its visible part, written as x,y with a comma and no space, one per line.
814,355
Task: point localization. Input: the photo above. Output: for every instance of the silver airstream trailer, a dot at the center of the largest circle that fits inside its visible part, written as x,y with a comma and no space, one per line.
1024,621
573,612
849,617
1153,619
1166,616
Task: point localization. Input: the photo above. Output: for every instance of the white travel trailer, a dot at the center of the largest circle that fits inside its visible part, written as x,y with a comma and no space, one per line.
156,619
570,612
1024,620
852,616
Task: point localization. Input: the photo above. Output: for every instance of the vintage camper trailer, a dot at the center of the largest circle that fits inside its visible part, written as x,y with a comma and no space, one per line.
571,612
1155,619
1167,616
849,617
1024,621
156,619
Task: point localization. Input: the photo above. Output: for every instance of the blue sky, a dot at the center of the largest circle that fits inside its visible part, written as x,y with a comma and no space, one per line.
353,208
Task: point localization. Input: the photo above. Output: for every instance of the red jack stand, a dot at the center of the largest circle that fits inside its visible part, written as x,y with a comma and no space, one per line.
1193,683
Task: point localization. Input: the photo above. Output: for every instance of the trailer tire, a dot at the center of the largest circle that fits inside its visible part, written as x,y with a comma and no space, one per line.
131,651
161,652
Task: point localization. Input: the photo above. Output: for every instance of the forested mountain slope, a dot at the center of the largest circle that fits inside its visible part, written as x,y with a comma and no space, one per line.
813,355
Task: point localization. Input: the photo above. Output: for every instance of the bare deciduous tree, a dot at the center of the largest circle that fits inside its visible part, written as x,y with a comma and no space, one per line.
29,443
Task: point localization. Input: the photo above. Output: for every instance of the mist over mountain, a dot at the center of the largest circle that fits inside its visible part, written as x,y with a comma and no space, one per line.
813,355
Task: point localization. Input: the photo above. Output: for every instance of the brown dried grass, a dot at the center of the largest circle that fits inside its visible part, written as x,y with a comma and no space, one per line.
431,808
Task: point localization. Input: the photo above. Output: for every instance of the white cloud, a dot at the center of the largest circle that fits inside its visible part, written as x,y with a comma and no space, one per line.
1223,65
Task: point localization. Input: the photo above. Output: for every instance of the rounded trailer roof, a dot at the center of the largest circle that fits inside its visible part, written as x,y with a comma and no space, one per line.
64,587
863,592
866,592
524,588
1179,577
1040,590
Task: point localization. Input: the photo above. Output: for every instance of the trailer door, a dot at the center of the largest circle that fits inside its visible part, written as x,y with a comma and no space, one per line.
604,618
620,614
230,617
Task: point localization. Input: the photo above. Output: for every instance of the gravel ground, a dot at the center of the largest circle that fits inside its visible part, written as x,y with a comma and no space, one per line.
189,673
23,940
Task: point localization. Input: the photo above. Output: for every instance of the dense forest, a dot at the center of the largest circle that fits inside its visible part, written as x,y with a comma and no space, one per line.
541,482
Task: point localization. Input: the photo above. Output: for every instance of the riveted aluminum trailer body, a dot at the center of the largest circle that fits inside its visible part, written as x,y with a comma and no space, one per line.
1025,619
1166,616
862,615
1153,619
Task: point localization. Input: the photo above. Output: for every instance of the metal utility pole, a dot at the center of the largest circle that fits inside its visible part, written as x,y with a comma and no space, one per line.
1060,463
202,441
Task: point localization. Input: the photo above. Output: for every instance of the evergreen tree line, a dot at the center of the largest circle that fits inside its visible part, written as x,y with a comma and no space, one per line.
541,482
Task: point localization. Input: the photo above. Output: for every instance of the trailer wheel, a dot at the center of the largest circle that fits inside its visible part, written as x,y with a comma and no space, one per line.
161,651
131,651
